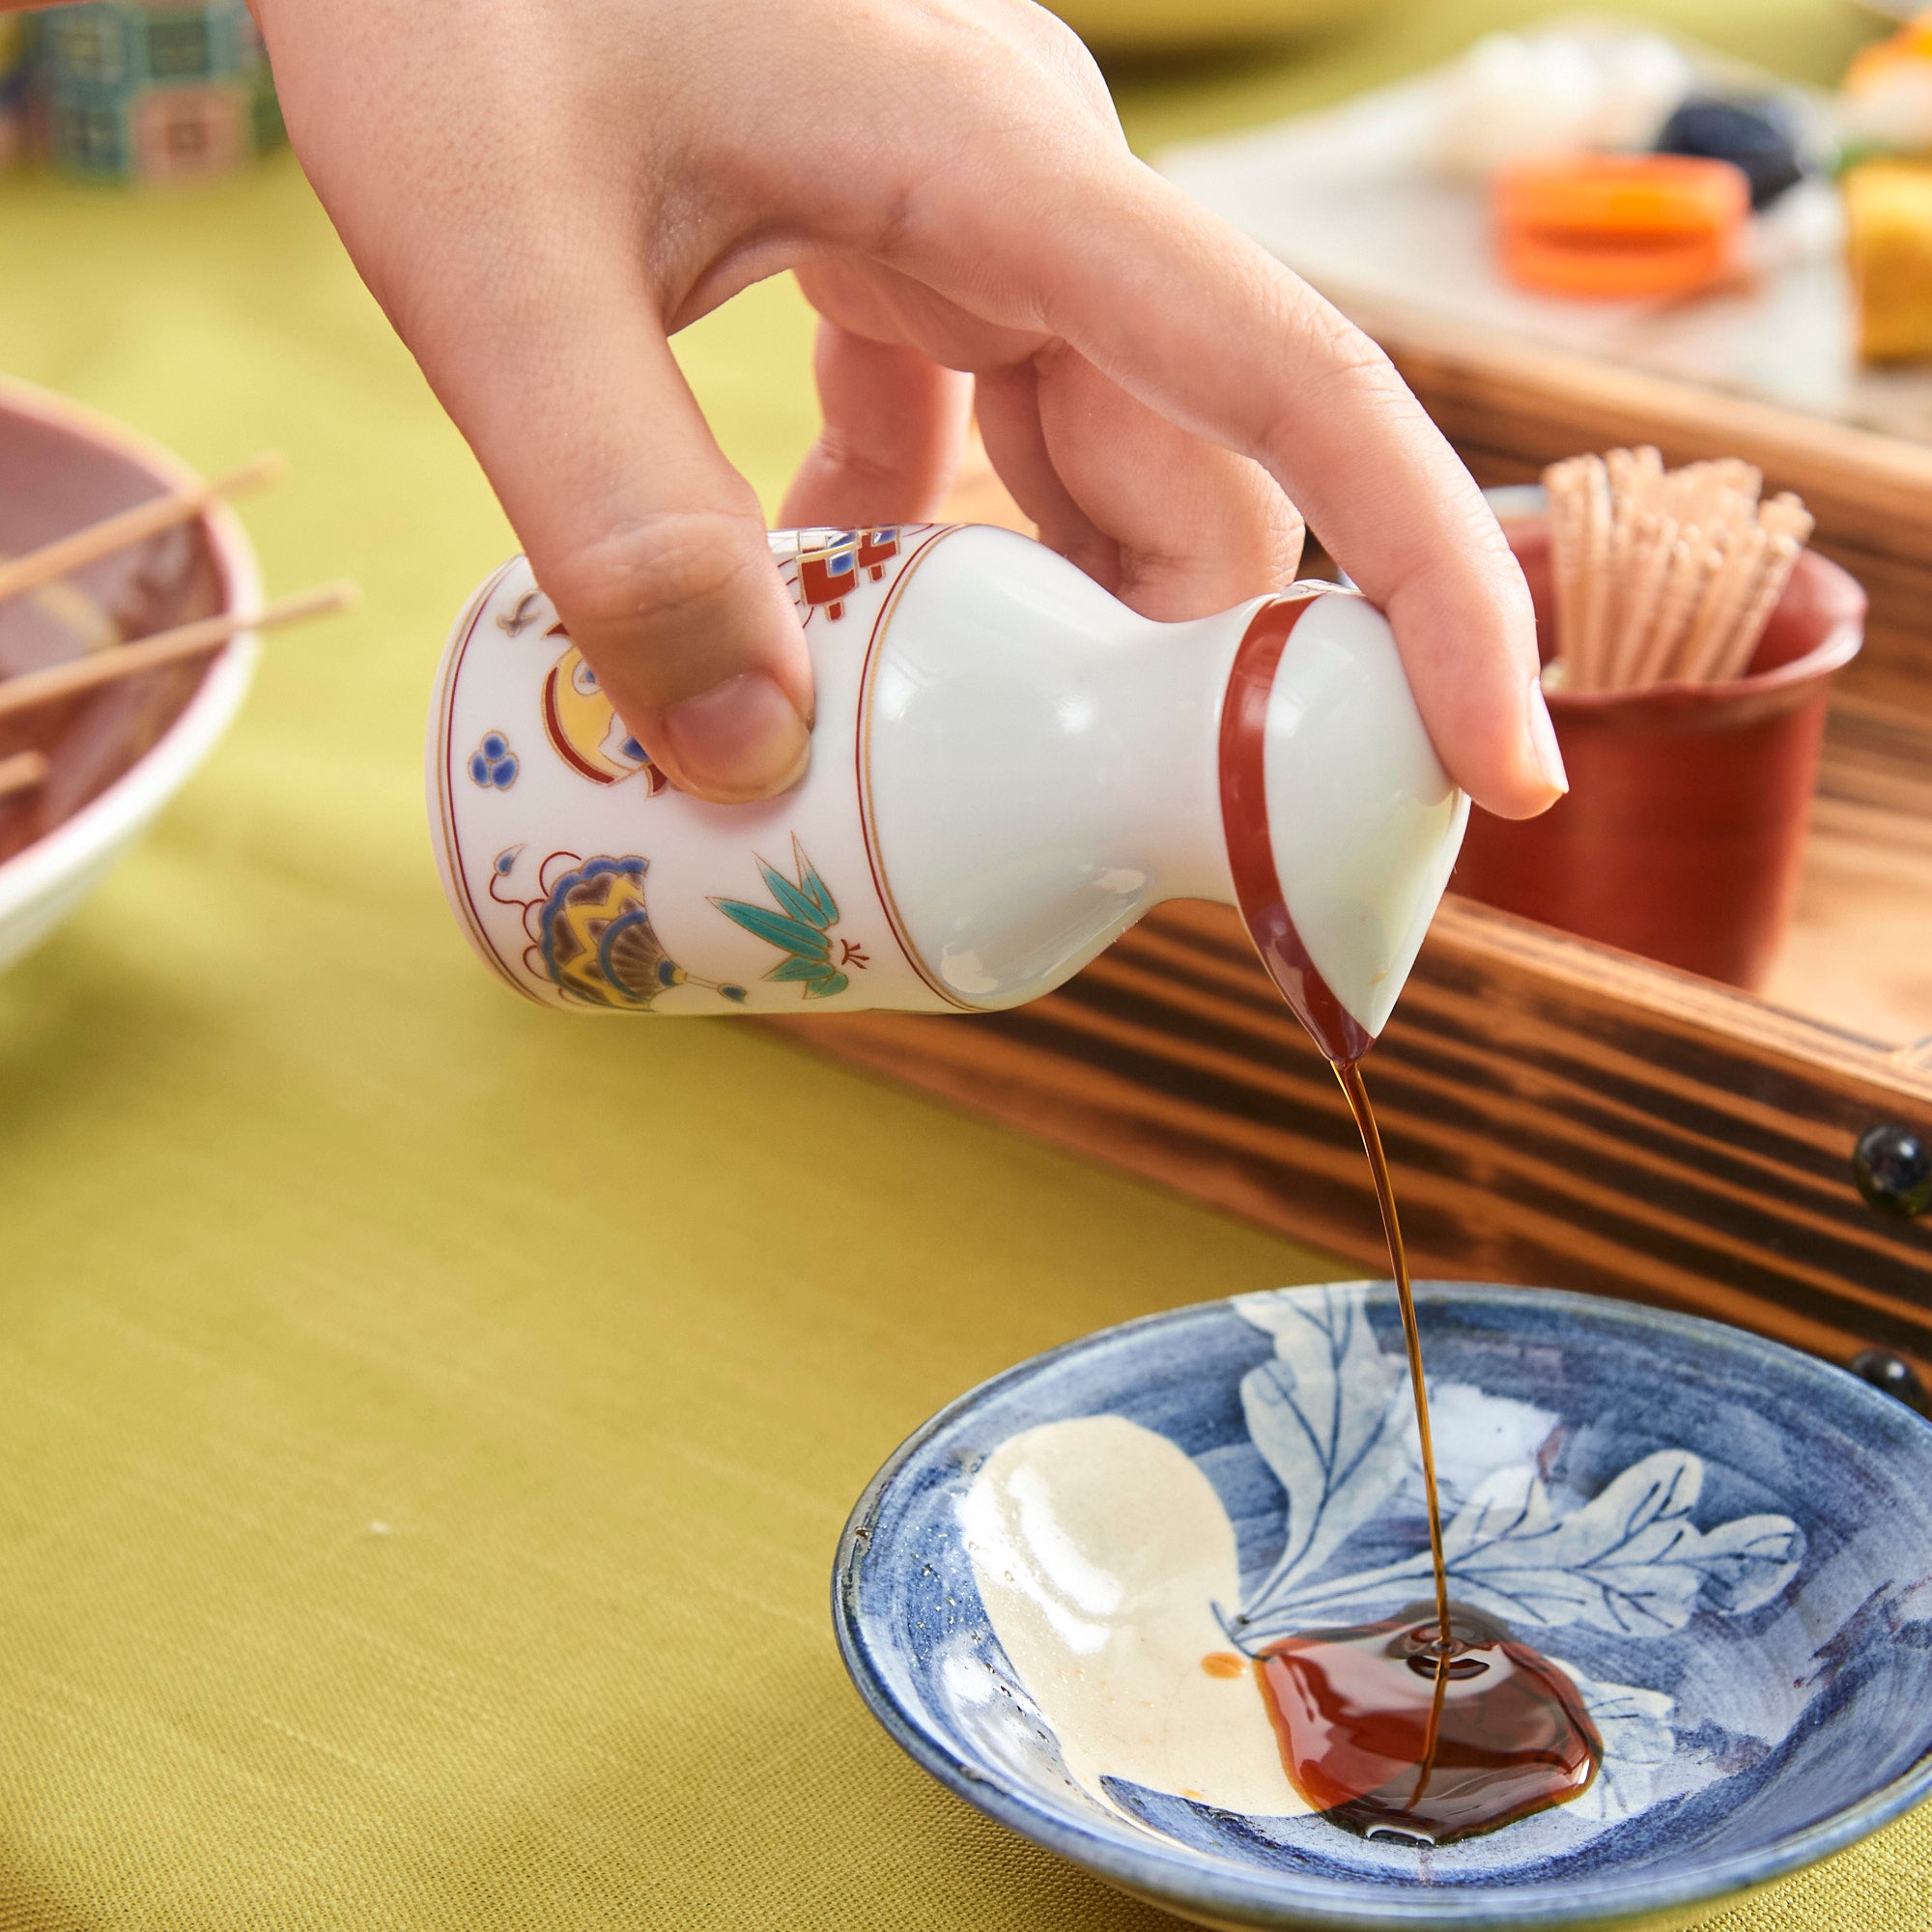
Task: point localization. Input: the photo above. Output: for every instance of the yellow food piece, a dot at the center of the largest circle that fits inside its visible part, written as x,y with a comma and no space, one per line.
1889,205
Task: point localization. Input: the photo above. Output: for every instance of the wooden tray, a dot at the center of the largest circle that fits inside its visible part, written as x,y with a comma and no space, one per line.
1860,952
1557,1111
1764,367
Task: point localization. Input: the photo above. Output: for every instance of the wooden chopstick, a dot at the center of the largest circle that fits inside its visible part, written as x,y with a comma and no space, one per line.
35,688
24,770
69,552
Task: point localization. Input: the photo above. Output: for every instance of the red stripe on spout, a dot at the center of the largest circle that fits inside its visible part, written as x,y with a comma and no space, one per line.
1244,822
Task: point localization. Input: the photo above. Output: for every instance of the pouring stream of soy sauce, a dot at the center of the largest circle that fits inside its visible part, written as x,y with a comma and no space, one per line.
1435,1724
1498,1732
1349,1074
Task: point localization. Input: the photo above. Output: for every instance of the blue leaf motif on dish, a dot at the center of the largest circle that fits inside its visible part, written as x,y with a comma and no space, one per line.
1624,1485
1635,1725
1328,1415
1629,1561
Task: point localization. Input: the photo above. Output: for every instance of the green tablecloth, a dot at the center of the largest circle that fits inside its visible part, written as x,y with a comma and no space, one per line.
424,1421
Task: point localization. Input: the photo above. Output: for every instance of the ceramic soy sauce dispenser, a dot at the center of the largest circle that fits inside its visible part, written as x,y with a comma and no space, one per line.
1009,768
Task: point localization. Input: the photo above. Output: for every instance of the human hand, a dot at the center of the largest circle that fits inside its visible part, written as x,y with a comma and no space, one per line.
540,192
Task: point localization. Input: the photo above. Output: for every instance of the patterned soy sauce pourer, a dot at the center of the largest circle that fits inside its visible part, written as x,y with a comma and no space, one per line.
1009,768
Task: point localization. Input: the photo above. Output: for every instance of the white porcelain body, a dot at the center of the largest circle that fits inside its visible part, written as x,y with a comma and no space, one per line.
1364,822
1008,768
1041,764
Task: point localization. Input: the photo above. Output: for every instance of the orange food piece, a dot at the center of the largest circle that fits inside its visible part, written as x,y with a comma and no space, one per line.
1558,265
1619,225
1912,42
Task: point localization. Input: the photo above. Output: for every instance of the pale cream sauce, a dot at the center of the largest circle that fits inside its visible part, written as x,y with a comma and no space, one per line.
1099,1549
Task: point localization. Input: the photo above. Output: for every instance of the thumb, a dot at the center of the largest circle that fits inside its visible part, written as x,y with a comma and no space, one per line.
647,541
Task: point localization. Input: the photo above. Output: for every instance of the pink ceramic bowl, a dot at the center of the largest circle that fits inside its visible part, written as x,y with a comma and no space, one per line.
119,753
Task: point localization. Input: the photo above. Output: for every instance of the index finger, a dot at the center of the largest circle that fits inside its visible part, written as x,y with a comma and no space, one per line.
1199,323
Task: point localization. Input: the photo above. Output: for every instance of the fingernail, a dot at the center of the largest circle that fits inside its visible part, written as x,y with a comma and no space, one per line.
1549,755
740,739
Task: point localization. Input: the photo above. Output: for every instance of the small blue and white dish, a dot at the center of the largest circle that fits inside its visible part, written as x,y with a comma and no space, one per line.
1045,1596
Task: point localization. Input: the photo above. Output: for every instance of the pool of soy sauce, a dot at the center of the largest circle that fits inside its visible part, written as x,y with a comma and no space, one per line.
1389,1737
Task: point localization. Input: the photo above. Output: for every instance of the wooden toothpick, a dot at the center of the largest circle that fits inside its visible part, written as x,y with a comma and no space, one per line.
1690,561
1642,590
1785,516
1586,672
1733,657
1664,575
1724,599
1566,537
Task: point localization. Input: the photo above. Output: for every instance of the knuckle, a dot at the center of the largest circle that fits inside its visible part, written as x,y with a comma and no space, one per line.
1062,48
1329,352
852,463
1340,357
663,572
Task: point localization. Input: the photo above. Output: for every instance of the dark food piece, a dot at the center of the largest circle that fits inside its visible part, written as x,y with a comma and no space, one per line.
1755,135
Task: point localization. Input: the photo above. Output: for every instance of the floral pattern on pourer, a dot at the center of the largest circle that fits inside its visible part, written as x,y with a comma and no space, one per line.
514,676
825,573
800,925
522,615
591,932
493,764
583,727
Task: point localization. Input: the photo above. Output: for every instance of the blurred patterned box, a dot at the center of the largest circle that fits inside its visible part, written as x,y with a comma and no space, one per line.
153,93
13,89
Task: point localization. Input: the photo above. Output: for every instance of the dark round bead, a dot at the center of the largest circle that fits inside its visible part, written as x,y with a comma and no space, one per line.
1888,1372
1755,136
1893,1169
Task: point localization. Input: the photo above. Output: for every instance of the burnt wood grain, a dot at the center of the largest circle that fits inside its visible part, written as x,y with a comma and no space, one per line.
1555,1113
